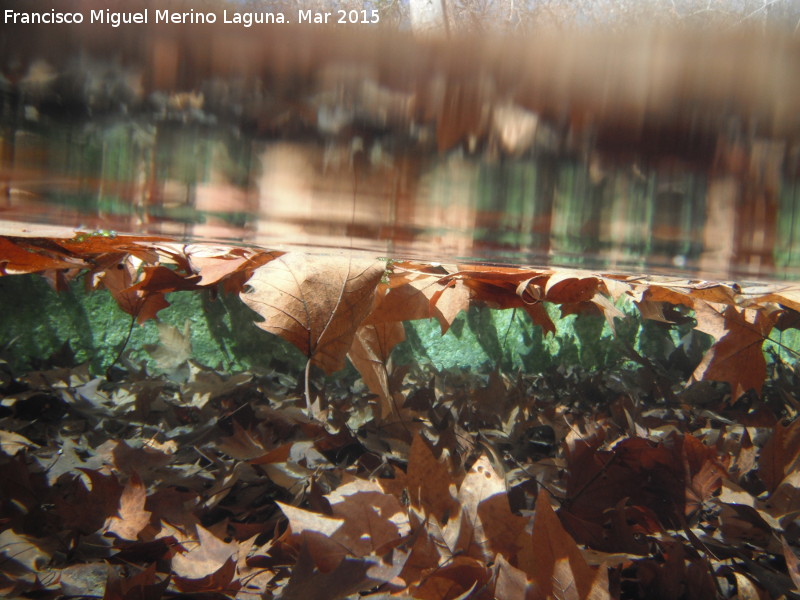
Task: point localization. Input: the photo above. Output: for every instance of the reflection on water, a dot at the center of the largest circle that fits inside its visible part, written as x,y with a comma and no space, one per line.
199,183
586,161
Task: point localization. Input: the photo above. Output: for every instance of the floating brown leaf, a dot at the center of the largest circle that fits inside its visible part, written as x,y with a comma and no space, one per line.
736,357
316,303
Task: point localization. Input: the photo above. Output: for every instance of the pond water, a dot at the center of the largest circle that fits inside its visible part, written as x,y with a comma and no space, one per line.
558,154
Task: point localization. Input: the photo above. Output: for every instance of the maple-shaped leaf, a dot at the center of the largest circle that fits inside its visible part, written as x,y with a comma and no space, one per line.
705,470
315,302
315,532
208,566
374,522
131,516
413,300
12,443
429,482
364,521
485,525
369,354
174,347
231,266
159,279
553,561
136,302
450,300
687,293
736,356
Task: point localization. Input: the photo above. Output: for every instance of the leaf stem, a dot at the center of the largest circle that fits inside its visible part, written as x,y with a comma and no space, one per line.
308,389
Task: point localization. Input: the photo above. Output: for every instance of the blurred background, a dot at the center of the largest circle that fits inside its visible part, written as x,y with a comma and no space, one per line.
619,135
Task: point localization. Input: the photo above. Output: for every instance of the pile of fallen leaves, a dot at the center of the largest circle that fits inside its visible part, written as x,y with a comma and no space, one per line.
429,485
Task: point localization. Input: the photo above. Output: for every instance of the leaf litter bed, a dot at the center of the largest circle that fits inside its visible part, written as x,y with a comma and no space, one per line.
659,481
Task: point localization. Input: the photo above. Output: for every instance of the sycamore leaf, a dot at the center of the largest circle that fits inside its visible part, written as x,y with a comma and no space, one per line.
85,508
450,300
209,565
485,525
553,561
610,312
369,354
316,532
412,300
736,357
131,299
373,522
456,579
315,302
652,310
174,347
221,263
131,516
429,481
788,296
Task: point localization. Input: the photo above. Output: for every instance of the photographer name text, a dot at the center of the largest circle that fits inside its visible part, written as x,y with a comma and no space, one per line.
190,17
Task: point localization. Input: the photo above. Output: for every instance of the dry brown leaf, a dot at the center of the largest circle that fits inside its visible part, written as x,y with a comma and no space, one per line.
12,443
511,583
456,580
569,287
315,302
736,357
450,300
209,556
373,522
779,454
485,525
788,296
369,354
410,301
746,589
652,310
316,532
786,498
174,347
792,563
429,482
551,546
131,517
